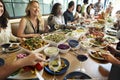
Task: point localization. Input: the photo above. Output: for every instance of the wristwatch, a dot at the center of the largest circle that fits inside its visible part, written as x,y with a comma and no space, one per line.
2,62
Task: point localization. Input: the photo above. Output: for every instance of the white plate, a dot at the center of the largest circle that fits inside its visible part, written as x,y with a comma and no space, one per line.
54,43
25,75
37,50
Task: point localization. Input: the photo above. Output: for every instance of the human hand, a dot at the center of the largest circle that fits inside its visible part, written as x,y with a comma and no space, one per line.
111,50
110,58
32,59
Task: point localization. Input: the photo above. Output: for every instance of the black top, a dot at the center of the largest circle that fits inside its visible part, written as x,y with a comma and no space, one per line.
68,16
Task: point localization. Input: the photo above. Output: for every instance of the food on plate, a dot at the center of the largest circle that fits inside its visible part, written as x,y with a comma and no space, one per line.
95,34
55,37
33,43
101,21
98,54
51,51
14,46
110,39
55,63
67,30
112,33
38,66
99,42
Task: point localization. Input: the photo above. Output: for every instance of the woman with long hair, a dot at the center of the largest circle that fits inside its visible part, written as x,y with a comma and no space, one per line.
5,28
32,24
78,11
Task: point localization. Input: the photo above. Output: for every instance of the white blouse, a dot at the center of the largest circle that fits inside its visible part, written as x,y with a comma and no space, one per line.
6,35
59,20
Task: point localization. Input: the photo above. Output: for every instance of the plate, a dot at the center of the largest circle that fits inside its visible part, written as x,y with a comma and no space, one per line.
112,33
76,76
34,44
26,75
54,39
12,48
47,69
96,55
98,43
36,50
111,39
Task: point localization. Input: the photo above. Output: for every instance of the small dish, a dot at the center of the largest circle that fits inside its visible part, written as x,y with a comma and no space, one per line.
51,51
74,44
63,48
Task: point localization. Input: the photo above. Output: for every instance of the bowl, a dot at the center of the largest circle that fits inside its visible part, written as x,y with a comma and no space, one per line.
63,48
74,44
6,45
51,51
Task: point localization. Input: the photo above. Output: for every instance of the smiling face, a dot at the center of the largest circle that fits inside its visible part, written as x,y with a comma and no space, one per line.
1,9
34,9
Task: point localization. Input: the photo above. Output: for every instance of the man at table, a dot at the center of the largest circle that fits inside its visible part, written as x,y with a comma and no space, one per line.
7,69
98,7
68,14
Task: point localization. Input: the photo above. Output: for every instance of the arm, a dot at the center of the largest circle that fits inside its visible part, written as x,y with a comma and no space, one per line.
65,17
21,29
109,57
8,69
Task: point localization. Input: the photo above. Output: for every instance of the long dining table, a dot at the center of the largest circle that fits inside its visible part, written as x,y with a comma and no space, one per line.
91,65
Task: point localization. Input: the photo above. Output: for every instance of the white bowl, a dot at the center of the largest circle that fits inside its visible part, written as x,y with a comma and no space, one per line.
51,51
62,49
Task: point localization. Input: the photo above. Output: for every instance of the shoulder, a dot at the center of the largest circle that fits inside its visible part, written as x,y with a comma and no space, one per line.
50,17
24,19
65,13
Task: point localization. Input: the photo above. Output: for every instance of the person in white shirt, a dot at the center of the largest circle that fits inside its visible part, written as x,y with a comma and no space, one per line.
5,28
78,11
56,16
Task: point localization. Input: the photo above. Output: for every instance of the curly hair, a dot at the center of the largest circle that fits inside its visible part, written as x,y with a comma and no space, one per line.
4,17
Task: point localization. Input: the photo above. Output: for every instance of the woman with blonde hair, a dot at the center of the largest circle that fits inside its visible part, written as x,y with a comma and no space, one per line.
32,24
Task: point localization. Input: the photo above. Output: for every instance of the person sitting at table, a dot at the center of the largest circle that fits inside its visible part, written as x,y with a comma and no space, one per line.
56,16
5,27
30,60
109,9
78,12
113,58
84,7
117,23
90,11
32,24
68,14
98,6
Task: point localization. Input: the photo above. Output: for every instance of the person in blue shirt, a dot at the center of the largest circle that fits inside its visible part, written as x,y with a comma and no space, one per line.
68,14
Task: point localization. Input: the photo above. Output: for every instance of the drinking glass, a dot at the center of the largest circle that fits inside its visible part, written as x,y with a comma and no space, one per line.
55,65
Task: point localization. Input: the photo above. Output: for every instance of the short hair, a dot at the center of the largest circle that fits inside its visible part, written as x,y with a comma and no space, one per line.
71,3
55,9
85,1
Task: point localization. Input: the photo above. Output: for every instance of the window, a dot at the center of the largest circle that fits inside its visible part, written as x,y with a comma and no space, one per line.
16,8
